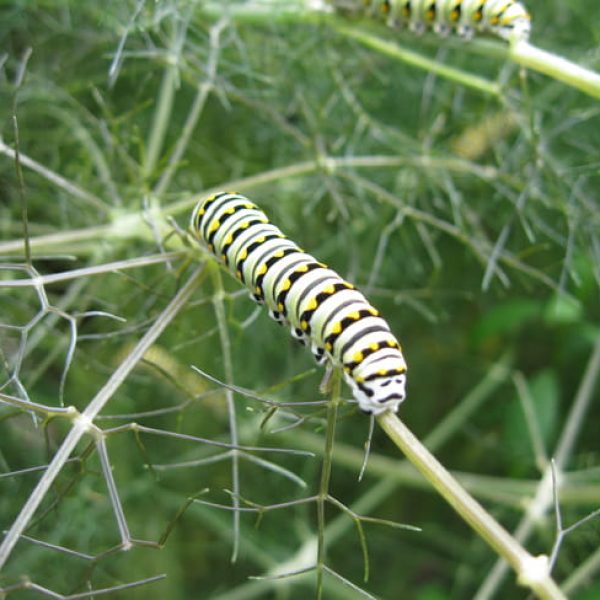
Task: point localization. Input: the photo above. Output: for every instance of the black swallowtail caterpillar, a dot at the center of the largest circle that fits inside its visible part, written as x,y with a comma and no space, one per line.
321,309
505,18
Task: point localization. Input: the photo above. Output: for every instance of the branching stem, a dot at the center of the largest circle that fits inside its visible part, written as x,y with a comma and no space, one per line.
84,422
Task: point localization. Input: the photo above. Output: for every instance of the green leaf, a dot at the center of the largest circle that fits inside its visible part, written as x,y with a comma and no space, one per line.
543,392
563,310
432,592
506,318
592,593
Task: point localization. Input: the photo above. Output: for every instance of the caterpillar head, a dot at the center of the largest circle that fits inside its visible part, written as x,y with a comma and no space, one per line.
514,24
520,31
381,393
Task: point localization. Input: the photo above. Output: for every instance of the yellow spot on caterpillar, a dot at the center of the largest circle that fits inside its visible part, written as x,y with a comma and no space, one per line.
280,307
263,269
329,290
243,254
302,269
354,315
304,325
337,328
374,346
214,226
347,370
278,254
373,312
312,305
287,284
329,346
228,240
359,379
358,357
382,372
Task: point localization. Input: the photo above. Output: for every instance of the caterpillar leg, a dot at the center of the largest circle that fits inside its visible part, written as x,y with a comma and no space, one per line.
325,385
322,311
318,353
276,316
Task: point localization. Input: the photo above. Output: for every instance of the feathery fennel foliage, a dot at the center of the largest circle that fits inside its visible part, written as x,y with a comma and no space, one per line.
146,403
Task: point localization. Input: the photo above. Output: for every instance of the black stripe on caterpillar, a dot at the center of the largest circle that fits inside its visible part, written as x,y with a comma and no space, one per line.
320,308
507,19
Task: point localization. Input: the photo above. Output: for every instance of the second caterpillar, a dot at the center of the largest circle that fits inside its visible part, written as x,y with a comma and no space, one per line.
322,310
508,19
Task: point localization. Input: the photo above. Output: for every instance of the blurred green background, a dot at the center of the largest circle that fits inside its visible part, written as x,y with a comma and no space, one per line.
470,219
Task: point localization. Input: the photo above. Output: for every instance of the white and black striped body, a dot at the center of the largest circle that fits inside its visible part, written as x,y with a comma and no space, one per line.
507,19
321,309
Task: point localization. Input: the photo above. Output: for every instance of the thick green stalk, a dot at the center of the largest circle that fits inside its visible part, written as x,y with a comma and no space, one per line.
556,67
532,572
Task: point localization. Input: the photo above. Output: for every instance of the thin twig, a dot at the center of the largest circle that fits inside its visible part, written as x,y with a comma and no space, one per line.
233,427
82,423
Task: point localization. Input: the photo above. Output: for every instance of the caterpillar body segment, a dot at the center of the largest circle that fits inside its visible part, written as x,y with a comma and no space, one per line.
321,309
508,19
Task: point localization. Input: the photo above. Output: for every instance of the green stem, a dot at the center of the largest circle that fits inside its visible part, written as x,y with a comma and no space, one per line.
532,571
557,67
55,179
521,52
418,60
225,342
132,225
544,496
162,115
326,475
205,87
